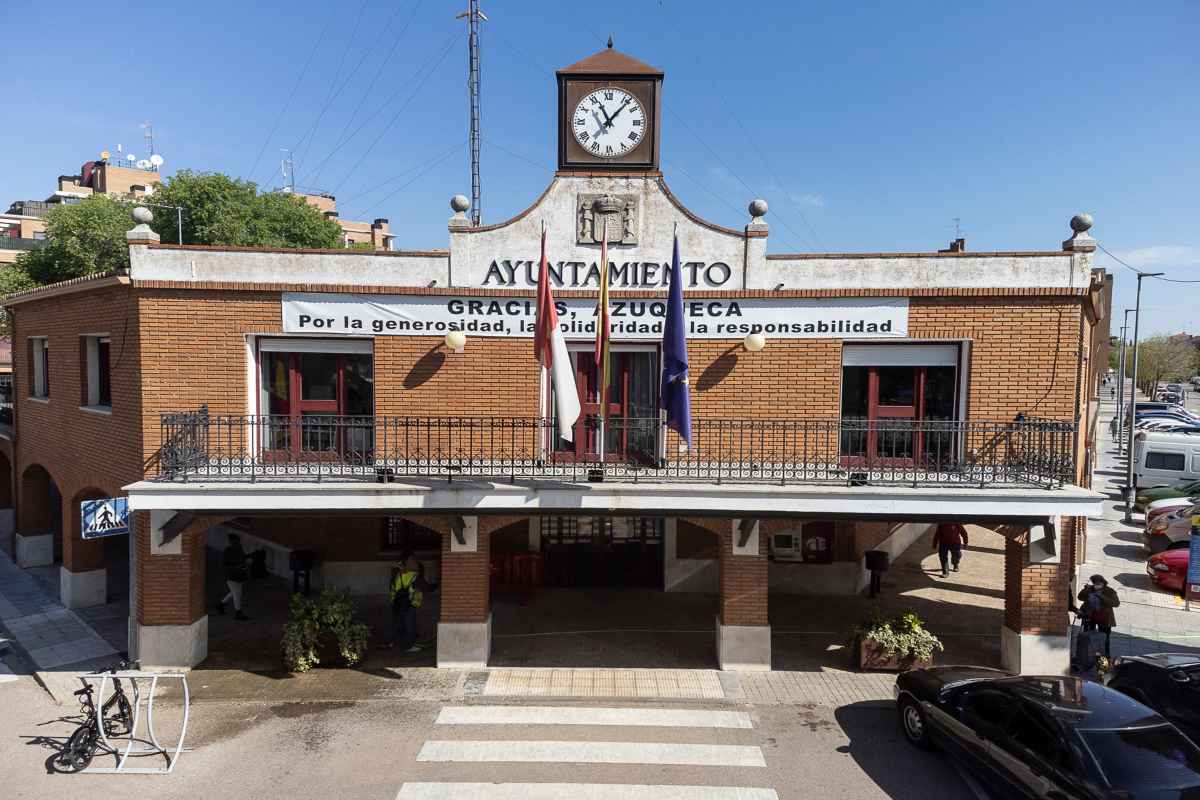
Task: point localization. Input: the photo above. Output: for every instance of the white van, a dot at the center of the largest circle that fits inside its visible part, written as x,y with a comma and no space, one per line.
1165,459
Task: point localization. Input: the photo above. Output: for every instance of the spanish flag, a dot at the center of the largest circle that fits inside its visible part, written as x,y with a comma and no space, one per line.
602,325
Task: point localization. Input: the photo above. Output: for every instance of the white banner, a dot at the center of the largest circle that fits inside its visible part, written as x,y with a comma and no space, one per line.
632,319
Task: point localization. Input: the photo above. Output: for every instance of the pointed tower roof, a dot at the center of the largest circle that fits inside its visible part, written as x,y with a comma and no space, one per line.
610,62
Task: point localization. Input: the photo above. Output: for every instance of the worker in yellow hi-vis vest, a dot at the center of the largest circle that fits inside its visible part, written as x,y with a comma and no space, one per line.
407,593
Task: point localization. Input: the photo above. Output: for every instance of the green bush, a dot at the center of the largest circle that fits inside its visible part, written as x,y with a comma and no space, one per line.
329,612
900,636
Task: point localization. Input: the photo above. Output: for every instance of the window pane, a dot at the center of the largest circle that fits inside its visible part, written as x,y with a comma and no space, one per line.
1172,461
275,383
318,376
854,392
104,395
1145,758
939,393
896,385
360,385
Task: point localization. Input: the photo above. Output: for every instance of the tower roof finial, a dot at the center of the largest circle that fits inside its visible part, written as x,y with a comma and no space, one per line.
610,42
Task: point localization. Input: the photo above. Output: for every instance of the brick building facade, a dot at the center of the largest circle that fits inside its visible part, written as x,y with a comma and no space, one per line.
943,386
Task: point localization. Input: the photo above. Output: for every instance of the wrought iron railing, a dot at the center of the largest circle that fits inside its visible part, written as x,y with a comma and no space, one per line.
199,446
20,243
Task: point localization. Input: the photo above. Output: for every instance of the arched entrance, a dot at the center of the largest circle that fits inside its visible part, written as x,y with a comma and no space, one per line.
7,512
94,571
39,519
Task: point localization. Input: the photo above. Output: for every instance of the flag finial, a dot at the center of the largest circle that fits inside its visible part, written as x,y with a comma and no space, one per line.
610,42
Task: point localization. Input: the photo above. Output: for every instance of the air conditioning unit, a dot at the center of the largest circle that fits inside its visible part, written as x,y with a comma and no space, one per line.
786,547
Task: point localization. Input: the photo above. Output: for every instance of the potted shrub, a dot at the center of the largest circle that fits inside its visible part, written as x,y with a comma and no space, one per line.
322,630
897,643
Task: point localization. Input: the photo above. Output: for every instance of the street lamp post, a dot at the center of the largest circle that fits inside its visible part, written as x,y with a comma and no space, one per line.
1130,489
1121,387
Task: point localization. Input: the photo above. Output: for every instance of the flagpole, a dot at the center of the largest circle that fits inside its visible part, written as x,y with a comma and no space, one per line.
603,365
546,440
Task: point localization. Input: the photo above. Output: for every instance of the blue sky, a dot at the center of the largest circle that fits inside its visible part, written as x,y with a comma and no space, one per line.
866,127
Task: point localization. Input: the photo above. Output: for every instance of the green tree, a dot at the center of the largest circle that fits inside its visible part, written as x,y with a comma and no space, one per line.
81,239
220,210
1164,358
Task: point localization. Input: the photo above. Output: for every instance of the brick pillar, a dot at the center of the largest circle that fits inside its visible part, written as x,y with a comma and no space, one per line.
172,622
465,625
743,630
1034,637
33,544
82,578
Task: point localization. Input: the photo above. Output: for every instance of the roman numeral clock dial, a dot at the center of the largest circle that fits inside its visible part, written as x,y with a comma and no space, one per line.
609,123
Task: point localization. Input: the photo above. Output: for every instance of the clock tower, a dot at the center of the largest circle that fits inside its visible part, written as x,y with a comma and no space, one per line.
609,109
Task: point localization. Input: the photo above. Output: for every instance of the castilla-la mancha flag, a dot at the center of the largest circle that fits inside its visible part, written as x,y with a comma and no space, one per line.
551,351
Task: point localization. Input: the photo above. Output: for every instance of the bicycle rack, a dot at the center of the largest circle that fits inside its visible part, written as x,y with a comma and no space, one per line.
148,746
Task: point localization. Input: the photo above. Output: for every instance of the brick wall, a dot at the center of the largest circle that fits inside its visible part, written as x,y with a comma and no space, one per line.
1035,595
170,587
87,454
742,579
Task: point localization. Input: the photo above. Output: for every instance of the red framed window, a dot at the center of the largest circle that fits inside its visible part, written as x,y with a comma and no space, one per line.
889,413
317,404
632,419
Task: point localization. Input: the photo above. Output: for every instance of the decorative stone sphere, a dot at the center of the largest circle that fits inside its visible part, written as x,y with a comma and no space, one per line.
758,207
1081,222
142,215
459,203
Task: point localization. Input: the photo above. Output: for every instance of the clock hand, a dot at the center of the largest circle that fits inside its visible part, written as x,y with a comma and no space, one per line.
618,111
607,118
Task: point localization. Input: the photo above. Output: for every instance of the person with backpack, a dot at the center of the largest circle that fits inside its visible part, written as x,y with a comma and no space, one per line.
1097,601
407,593
234,561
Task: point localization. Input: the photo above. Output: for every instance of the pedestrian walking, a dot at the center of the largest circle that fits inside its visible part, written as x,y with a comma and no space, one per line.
948,540
407,593
234,559
1097,600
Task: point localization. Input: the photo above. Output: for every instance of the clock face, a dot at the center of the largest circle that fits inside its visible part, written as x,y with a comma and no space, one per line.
609,122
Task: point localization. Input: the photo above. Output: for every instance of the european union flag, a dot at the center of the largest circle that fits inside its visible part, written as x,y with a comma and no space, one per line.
674,396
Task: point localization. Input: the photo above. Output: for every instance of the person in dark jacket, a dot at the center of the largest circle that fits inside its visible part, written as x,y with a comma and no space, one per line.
948,540
234,560
407,593
1097,600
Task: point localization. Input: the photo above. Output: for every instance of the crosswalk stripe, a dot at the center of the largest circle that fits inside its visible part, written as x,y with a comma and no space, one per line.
566,715
697,755
577,791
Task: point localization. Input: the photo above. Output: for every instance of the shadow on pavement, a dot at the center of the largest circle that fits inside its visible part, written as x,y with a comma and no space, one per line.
897,768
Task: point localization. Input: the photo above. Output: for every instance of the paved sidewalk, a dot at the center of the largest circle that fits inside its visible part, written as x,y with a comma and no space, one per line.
1149,619
51,635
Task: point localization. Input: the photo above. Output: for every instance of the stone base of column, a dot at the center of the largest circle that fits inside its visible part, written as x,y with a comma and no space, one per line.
7,531
1034,653
743,648
173,646
35,551
464,645
82,589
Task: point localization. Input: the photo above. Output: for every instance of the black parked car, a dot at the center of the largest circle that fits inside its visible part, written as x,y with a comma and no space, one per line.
1167,682
1049,737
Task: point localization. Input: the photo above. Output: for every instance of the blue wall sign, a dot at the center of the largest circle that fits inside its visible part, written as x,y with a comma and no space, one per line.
1193,572
104,517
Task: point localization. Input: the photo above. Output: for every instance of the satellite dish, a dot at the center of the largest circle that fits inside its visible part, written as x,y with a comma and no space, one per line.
156,160
131,158
143,164
104,155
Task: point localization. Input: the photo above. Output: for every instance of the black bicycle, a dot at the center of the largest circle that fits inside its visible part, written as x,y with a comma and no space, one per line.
81,747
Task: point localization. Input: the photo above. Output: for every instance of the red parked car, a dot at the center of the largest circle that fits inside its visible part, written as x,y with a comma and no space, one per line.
1169,568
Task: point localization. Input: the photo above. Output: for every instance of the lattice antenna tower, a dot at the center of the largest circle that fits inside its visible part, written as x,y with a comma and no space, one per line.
474,16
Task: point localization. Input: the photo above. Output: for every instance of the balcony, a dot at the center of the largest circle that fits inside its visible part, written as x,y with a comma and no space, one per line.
20,243
199,447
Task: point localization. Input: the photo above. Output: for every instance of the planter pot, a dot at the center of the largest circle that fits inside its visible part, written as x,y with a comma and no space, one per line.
872,656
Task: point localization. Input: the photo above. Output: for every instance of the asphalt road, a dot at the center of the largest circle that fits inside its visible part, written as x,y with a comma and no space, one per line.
385,749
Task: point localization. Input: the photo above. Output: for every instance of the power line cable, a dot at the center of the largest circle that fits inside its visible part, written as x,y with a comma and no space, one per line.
399,111
1139,271
782,187
517,155
413,180
334,89
386,103
400,175
341,138
288,103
